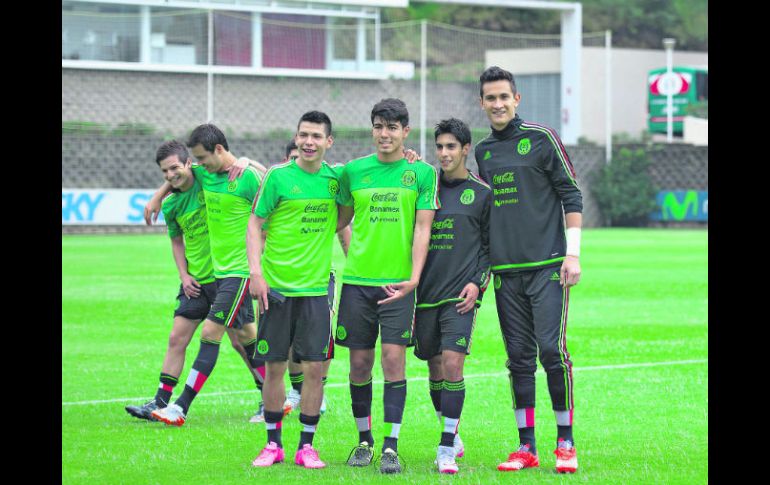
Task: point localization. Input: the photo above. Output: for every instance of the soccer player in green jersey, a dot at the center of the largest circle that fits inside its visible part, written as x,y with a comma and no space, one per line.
393,202
185,214
296,377
290,281
228,205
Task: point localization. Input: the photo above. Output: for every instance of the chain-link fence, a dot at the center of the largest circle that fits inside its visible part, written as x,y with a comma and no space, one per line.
345,65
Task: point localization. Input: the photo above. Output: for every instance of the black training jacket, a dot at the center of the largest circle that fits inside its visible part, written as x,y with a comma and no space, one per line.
533,185
459,242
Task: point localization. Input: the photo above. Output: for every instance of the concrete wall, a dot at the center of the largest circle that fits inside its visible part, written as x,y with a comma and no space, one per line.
629,69
695,131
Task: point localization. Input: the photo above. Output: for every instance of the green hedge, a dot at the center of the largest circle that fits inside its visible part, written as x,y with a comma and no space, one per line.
623,189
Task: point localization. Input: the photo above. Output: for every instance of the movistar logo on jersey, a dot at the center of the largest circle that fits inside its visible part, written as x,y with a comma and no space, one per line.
220,314
408,178
263,347
342,334
487,155
503,178
334,187
468,196
388,197
232,186
406,334
445,224
296,190
461,342
498,282
555,276
524,146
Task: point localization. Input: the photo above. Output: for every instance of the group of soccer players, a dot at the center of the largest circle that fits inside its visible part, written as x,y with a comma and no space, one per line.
420,255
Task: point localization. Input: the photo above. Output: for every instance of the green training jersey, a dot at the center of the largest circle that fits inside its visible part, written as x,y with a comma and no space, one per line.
384,197
301,209
185,214
228,205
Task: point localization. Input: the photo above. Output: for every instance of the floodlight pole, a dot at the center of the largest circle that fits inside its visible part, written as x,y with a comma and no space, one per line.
668,44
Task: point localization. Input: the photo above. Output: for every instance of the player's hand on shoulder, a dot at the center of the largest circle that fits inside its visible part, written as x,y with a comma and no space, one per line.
470,293
237,168
411,155
152,210
191,288
570,271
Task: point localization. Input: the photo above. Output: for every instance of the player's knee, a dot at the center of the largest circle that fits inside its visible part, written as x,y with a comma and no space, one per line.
550,357
212,331
435,369
360,370
393,367
313,371
178,341
521,366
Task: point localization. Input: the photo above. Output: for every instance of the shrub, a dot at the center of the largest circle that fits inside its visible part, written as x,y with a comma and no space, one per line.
623,189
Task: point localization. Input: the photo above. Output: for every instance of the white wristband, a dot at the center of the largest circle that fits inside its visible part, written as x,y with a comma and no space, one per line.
573,241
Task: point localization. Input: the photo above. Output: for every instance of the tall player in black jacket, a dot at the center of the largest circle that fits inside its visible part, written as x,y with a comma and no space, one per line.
535,195
454,278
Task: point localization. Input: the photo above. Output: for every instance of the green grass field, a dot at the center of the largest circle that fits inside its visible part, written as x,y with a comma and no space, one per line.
637,334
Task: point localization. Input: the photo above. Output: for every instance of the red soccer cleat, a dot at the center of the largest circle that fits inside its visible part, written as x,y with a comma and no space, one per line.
519,459
566,457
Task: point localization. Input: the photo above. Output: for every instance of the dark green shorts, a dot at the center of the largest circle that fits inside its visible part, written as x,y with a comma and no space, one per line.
233,306
360,318
443,328
300,322
196,308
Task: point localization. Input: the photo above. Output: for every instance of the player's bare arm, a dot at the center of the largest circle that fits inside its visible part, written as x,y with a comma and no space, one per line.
191,288
237,168
422,226
257,285
344,216
344,235
152,209
570,268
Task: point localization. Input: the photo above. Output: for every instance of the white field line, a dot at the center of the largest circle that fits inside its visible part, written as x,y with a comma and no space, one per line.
413,379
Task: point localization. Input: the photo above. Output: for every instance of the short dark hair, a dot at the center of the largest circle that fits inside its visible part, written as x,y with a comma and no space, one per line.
317,117
172,147
289,147
391,109
494,73
208,136
455,127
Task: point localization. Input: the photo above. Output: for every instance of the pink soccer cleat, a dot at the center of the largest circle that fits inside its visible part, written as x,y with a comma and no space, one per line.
307,456
269,455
